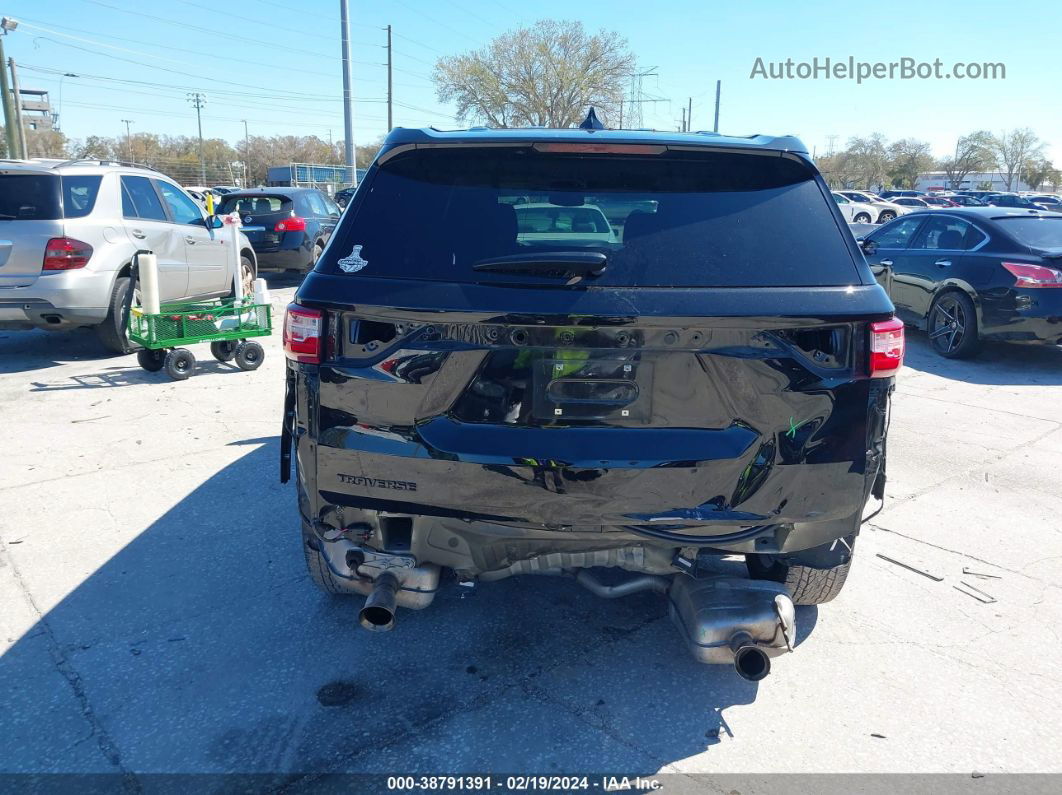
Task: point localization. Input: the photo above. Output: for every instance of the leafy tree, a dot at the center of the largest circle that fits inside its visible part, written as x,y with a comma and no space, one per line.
1037,171
909,158
866,161
543,75
973,153
1013,149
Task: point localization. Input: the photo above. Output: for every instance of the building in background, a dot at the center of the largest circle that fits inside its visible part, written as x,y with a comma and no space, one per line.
328,178
938,180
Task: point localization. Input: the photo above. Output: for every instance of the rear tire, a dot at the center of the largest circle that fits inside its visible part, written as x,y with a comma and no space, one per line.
952,326
224,350
152,361
862,218
249,355
806,586
180,363
318,249
886,216
247,277
112,332
317,568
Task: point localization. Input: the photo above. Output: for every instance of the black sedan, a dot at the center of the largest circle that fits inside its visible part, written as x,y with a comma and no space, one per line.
288,227
975,273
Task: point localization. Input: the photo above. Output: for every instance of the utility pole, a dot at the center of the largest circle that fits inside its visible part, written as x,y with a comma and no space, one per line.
390,93
198,101
19,126
128,140
689,115
718,89
683,127
9,111
246,155
348,118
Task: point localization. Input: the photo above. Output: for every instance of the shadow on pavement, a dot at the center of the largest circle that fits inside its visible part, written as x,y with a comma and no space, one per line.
126,376
997,364
22,351
202,646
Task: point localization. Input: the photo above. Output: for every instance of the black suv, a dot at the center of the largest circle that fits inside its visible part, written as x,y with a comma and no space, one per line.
288,227
545,351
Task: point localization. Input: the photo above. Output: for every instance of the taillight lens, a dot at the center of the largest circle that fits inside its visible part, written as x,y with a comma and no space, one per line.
66,254
886,348
1034,275
302,334
293,224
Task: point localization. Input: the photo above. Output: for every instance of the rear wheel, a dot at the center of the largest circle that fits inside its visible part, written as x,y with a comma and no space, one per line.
807,586
179,364
249,355
112,331
318,249
886,216
224,350
247,276
862,218
152,361
953,326
317,568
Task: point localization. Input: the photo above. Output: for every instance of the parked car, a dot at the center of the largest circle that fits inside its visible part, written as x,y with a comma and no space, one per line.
886,210
1047,202
910,194
855,212
288,227
1009,200
964,200
462,395
579,226
971,274
939,201
70,229
912,203
343,195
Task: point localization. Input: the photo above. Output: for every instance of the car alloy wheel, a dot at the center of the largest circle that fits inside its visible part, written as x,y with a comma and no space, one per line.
947,324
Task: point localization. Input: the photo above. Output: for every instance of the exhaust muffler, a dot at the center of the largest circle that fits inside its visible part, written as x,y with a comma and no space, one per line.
731,620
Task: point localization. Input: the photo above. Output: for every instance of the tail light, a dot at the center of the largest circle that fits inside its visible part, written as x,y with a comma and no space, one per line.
292,224
302,334
66,254
1034,275
886,348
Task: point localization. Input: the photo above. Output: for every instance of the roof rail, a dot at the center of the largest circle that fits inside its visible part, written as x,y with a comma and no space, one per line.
105,161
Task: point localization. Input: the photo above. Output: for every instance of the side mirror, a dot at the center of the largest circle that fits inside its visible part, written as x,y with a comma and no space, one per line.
214,222
869,246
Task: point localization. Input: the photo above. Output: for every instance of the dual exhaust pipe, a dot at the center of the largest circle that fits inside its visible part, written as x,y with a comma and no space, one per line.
723,619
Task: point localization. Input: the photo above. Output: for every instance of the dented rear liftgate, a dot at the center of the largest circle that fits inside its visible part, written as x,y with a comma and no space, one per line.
761,433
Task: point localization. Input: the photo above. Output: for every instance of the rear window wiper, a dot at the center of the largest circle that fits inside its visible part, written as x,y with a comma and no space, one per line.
560,264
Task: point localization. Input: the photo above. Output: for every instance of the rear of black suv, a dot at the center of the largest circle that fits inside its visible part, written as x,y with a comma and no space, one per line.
477,388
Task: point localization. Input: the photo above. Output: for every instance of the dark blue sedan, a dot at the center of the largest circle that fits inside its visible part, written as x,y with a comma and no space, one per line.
288,227
969,274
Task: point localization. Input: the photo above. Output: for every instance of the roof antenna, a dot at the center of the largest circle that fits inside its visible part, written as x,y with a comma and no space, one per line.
591,122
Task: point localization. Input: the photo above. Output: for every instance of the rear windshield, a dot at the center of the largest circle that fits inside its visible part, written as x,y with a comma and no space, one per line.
254,205
46,197
695,219
1035,232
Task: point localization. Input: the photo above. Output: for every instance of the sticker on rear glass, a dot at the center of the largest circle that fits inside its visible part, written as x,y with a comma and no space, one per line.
354,262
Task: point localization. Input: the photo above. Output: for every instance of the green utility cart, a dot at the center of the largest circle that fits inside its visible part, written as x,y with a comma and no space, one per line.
228,328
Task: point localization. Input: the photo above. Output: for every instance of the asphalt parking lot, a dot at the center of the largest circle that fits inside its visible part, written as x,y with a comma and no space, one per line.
156,616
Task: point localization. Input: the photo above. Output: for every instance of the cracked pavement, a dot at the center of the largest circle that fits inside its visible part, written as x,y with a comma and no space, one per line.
156,616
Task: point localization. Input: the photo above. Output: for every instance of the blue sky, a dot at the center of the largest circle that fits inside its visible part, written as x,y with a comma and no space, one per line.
292,83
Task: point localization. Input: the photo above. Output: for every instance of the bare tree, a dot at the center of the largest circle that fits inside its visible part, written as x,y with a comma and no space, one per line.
909,158
973,154
543,75
1013,149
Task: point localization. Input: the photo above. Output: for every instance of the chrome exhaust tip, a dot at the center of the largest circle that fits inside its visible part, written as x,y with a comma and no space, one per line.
378,614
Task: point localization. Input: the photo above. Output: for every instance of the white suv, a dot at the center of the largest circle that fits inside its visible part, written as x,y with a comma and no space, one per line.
68,233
